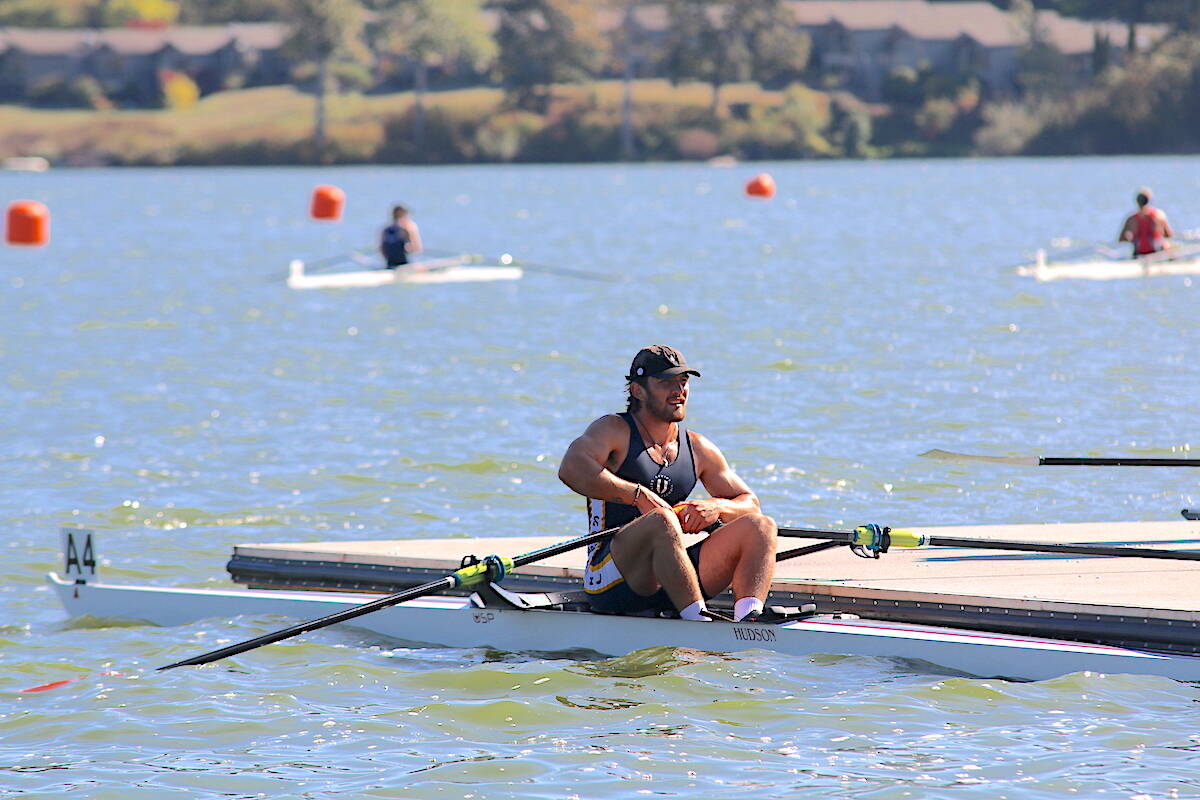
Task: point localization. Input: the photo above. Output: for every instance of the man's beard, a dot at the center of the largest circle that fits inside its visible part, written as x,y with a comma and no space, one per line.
665,411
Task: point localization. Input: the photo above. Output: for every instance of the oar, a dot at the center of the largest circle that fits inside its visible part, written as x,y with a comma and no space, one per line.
569,272
877,539
507,259
492,567
804,551
1170,254
323,264
1071,461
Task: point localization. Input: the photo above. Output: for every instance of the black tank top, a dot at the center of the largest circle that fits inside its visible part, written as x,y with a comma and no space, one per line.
395,245
672,482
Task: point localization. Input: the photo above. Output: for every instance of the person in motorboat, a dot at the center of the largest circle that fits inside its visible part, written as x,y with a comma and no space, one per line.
1147,228
637,469
400,239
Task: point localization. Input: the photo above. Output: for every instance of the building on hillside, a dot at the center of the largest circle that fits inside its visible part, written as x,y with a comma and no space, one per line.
861,42
128,62
857,44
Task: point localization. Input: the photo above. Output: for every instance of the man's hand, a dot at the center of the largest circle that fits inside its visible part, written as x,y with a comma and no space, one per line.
646,501
698,515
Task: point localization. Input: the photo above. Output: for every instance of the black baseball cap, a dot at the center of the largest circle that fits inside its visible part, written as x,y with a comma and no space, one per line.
659,361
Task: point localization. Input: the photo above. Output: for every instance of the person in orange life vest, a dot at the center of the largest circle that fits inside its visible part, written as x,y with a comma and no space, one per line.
1147,228
400,239
636,470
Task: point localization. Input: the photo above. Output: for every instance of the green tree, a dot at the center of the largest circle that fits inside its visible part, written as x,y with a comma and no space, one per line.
1182,14
323,30
116,13
543,42
767,31
425,32
629,52
202,12
850,128
739,40
44,13
1151,108
693,45
1042,70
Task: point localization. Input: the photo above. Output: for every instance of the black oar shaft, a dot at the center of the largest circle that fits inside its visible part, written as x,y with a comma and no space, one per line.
448,582
1074,549
314,624
562,547
1064,461
1004,544
1117,462
803,551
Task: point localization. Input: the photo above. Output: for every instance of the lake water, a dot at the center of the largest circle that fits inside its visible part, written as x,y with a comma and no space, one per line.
163,387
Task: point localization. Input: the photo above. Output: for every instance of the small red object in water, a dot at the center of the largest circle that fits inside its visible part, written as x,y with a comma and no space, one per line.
327,203
761,185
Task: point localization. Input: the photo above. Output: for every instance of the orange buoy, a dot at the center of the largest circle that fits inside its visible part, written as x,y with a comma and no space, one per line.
327,202
28,223
761,185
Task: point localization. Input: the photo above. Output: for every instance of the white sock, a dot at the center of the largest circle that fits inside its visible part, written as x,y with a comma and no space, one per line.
692,612
744,606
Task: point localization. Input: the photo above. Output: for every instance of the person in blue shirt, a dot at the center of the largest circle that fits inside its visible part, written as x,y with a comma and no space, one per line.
400,239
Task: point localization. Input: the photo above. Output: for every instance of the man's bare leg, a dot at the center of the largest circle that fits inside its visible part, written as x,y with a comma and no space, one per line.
651,555
742,555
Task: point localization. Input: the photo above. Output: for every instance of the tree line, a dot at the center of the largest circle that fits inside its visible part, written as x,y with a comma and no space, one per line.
527,47
538,44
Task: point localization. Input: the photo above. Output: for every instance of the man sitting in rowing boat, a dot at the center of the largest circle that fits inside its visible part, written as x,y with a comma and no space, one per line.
637,469
400,239
1147,228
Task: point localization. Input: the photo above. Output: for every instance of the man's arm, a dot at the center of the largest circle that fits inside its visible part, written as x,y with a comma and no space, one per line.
1166,226
730,496
414,237
584,466
1127,229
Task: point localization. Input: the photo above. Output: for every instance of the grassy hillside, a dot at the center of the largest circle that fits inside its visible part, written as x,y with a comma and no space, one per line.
275,124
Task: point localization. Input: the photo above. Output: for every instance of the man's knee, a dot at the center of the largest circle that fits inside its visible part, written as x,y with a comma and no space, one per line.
660,526
763,530
664,518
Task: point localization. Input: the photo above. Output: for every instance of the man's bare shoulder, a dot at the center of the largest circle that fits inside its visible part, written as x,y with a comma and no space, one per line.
608,425
702,445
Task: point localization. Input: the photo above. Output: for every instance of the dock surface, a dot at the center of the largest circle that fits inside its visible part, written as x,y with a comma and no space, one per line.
1166,589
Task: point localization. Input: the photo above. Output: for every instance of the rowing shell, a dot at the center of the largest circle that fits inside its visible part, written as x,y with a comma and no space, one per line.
470,622
1167,262
442,270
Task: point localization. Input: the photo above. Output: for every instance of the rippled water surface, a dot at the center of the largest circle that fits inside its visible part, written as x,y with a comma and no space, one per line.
162,387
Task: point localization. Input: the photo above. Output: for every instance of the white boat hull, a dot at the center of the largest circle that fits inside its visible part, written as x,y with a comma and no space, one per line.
1165,263
456,622
446,270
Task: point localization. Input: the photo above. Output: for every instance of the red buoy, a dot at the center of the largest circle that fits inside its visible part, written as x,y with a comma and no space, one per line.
761,185
327,202
28,223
